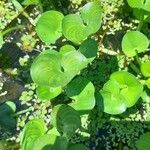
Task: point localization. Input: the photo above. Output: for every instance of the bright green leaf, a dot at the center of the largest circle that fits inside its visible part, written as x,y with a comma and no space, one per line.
50,142
82,92
77,28
30,2
31,132
49,26
134,42
46,93
1,40
129,86
145,69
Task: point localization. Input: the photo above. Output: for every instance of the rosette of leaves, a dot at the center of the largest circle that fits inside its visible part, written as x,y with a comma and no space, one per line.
7,120
143,142
77,27
52,70
82,92
140,4
121,92
66,119
134,42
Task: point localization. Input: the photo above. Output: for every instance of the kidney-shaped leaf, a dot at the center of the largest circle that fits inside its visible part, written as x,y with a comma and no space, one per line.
77,28
120,92
129,86
49,26
65,119
50,142
31,132
82,92
110,100
145,69
134,42
144,142
141,4
55,69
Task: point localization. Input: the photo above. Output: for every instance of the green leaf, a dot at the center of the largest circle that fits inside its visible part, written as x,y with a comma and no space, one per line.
89,49
144,142
81,91
141,4
66,48
30,2
7,110
66,120
148,83
77,147
130,87
145,69
46,93
1,40
50,142
110,100
53,69
49,26
134,42
122,91
77,28
31,132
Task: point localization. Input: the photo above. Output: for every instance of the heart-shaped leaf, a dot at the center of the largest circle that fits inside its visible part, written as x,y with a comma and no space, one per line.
77,147
77,28
129,86
50,142
110,100
31,132
53,69
46,93
134,42
82,92
65,119
49,26
120,92
141,4
144,142
145,69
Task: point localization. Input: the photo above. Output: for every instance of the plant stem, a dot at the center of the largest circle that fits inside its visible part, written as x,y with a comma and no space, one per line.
137,59
22,112
12,29
134,68
141,21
